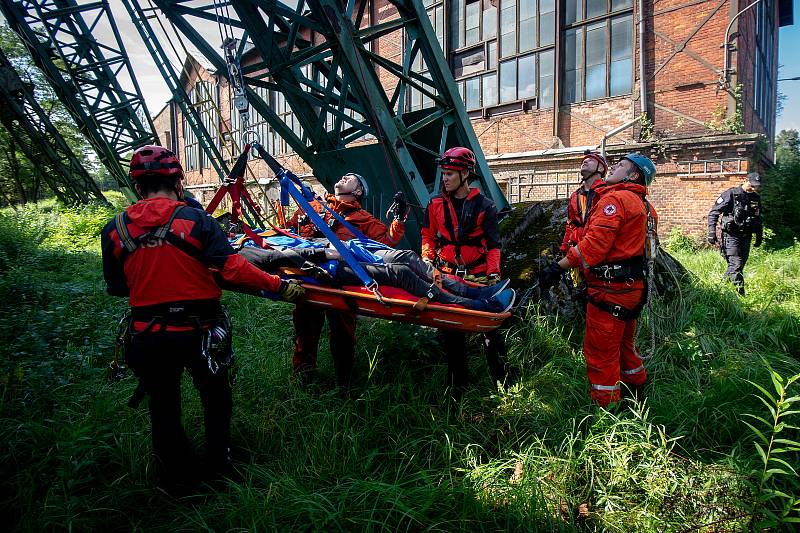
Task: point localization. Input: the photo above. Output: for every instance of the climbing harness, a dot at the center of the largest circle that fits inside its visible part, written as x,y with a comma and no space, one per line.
216,343
118,365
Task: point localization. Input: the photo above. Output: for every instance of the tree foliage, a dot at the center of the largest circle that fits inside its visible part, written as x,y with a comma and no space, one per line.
781,196
19,180
787,147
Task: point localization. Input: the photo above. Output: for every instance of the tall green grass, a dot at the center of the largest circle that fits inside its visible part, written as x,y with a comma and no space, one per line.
394,454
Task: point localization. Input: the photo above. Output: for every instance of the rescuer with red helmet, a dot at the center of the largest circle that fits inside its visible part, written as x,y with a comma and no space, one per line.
612,254
350,192
167,258
461,237
593,167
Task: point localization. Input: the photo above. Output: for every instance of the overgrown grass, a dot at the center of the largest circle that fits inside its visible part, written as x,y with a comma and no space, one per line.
394,454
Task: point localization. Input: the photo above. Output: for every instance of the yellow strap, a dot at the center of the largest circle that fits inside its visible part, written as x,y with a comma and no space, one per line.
582,206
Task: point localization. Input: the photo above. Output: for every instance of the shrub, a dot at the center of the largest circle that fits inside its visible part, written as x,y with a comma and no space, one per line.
21,232
79,226
678,241
780,198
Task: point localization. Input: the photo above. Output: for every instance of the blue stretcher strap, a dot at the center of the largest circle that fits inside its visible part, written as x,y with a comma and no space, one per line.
347,255
363,249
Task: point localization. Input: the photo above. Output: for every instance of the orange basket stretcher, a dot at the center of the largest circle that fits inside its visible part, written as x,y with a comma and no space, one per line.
400,306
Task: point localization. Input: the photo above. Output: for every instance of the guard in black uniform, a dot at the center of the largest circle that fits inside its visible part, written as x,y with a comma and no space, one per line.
739,212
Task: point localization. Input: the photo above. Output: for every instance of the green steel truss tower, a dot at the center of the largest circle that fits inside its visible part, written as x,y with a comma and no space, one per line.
87,74
40,141
350,101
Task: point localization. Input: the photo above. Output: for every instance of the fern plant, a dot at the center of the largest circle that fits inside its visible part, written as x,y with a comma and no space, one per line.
776,493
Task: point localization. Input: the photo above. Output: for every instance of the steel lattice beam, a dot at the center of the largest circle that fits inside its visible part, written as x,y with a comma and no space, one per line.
86,73
317,54
142,23
141,20
40,141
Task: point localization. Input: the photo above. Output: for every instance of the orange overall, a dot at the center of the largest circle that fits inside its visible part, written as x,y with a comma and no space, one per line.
616,232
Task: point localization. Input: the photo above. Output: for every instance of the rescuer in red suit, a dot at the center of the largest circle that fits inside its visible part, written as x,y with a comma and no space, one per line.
593,167
308,320
166,258
461,237
612,257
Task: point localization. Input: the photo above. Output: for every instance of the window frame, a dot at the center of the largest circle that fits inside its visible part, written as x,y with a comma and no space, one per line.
191,144
431,7
581,26
764,63
518,103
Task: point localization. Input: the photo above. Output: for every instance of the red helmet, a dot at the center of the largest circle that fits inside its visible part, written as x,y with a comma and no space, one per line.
602,164
458,158
155,159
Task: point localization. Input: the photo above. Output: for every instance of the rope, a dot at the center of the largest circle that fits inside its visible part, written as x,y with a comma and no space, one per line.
650,316
233,147
650,251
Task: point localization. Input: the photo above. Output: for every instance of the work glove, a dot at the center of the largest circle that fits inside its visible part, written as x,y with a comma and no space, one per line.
712,239
550,276
291,290
473,278
400,206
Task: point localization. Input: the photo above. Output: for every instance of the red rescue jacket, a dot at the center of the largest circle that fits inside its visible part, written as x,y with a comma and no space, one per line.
470,238
352,212
616,231
157,272
580,203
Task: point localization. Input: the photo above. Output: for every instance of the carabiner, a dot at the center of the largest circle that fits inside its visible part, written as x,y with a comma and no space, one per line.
251,133
375,290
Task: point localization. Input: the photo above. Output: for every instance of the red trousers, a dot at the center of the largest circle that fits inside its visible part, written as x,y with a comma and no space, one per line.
308,322
609,349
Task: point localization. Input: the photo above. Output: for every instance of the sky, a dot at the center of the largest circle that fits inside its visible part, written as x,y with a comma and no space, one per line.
789,61
154,89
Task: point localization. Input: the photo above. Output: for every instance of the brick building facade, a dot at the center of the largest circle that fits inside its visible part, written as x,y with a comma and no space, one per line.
543,80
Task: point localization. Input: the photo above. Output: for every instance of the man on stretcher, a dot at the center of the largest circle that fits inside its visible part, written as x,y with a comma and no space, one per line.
397,268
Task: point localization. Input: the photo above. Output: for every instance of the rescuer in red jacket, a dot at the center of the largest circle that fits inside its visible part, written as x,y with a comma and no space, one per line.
612,255
461,237
308,320
593,167
166,258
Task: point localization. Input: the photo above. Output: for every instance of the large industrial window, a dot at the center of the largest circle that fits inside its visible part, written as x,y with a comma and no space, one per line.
270,139
205,100
598,49
415,99
503,52
191,148
764,64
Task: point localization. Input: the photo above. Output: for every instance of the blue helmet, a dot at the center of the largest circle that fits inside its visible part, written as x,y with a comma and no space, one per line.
645,166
